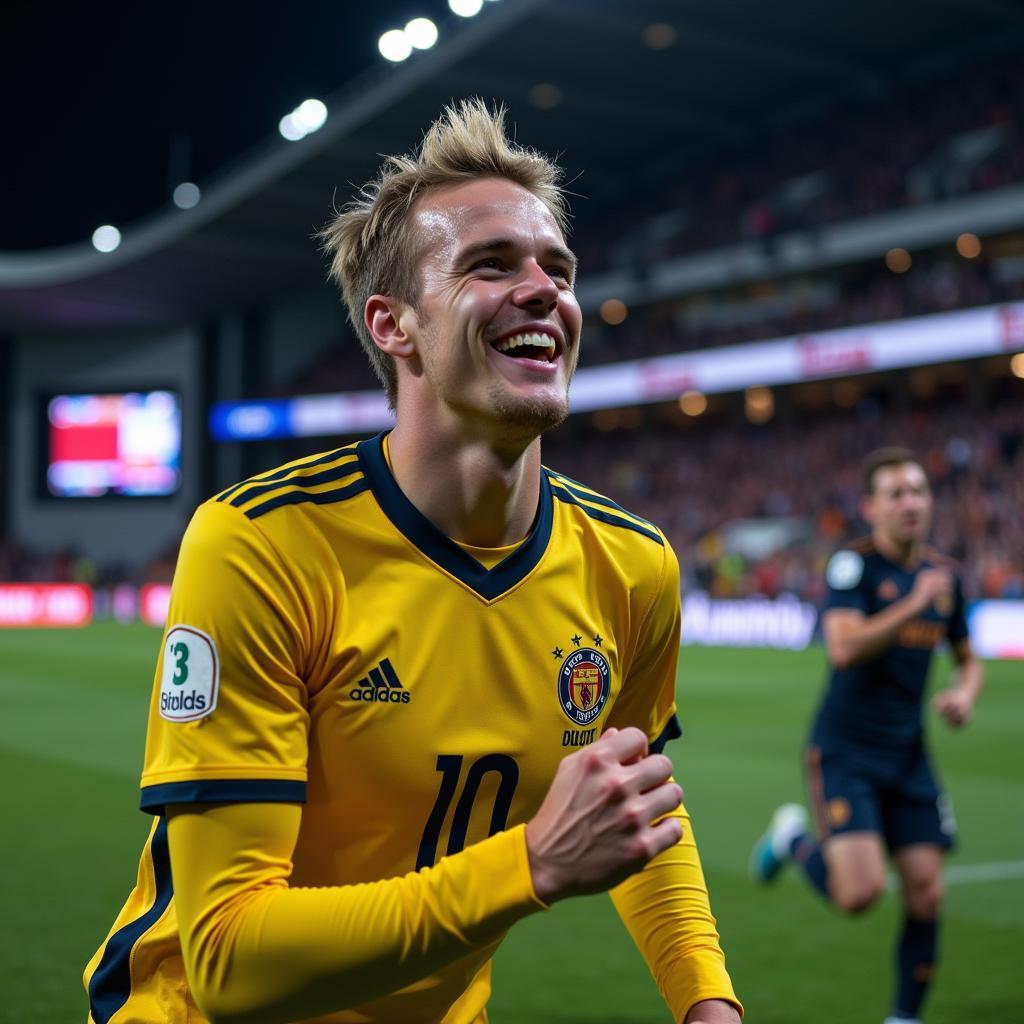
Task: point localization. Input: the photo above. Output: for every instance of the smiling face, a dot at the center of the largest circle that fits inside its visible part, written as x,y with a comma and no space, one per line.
496,325
899,506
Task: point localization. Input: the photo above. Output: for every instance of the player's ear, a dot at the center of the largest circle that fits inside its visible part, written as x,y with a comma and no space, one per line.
389,320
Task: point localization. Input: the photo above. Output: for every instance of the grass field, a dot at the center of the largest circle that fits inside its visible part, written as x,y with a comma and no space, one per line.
71,736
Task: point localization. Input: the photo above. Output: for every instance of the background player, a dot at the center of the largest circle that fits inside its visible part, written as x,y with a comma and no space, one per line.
408,636
891,602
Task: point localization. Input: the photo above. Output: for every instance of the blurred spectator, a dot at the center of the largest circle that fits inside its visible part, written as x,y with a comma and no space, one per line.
692,486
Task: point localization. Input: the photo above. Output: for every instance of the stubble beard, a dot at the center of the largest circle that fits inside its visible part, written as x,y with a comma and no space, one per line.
526,416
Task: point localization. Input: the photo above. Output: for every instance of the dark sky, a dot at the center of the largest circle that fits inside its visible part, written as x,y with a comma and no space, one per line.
92,95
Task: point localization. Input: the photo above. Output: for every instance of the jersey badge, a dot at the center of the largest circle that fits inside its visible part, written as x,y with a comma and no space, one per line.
191,675
584,683
844,571
888,589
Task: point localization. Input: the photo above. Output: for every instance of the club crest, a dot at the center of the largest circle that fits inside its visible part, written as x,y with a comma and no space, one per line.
584,682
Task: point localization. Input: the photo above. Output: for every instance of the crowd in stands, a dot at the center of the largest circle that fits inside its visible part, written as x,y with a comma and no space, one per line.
916,145
24,563
807,473
693,483
926,141
936,283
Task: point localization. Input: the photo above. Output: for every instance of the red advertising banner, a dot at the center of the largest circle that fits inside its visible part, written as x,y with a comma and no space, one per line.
154,599
60,605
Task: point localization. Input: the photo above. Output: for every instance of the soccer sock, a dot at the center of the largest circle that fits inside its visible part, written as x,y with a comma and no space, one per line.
807,854
915,964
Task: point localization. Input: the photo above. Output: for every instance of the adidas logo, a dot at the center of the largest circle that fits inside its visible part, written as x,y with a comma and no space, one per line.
381,686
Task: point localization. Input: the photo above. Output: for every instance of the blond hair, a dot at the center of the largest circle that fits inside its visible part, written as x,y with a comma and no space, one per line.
370,239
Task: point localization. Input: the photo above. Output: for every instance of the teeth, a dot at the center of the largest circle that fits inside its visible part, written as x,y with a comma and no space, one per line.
533,340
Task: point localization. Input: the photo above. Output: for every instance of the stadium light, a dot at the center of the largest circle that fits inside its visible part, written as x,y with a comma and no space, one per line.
106,238
968,245
394,45
693,403
466,8
759,404
421,33
290,129
186,195
613,311
310,115
898,260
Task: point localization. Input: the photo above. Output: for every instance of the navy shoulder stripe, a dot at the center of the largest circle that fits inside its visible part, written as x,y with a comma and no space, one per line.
581,491
111,982
314,497
325,476
563,493
280,474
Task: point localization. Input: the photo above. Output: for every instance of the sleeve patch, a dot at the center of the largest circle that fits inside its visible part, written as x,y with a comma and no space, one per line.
191,675
845,569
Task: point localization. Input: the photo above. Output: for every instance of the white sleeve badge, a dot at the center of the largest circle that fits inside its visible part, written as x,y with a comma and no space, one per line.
844,571
191,674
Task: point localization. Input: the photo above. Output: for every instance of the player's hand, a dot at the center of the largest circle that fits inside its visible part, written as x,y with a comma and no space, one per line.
594,827
929,585
955,705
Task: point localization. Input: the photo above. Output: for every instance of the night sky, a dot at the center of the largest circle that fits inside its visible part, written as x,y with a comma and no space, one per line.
94,96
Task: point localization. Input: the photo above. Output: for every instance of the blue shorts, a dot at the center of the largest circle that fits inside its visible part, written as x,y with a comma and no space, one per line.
905,807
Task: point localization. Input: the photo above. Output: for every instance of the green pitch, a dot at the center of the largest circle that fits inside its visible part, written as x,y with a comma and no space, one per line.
71,732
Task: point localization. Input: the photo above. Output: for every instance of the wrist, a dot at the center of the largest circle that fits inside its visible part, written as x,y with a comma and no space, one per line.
541,875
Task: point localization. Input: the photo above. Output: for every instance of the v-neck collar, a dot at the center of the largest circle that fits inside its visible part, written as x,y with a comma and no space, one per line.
441,549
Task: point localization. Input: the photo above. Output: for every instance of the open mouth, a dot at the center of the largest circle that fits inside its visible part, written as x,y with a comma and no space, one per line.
533,345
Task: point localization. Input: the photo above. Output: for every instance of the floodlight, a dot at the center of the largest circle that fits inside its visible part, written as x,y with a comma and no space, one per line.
310,115
290,128
186,195
421,33
106,238
394,45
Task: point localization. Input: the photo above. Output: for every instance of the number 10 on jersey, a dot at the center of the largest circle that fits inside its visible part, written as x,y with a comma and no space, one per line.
450,767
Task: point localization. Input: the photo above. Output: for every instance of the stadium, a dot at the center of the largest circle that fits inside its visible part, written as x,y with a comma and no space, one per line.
800,236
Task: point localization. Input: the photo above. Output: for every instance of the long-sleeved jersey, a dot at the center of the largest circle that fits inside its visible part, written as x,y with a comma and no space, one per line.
328,648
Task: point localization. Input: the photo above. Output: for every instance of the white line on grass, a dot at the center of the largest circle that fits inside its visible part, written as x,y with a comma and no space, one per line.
971,874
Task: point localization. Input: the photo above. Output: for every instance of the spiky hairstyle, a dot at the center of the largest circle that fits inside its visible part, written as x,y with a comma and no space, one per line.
370,240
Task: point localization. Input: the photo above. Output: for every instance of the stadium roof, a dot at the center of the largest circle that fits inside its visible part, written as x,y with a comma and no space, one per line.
579,79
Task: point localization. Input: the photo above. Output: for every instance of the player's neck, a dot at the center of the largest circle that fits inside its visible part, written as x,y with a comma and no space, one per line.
907,553
475,491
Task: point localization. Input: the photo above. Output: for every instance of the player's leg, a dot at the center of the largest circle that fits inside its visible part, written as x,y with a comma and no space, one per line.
855,862
920,828
920,870
845,859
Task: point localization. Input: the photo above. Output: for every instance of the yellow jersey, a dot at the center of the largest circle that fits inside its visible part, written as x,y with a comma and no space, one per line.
328,645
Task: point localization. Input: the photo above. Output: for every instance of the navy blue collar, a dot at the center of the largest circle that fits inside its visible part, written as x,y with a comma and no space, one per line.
442,550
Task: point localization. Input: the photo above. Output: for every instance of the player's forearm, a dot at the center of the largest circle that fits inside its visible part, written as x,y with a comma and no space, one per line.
260,952
969,677
851,642
665,908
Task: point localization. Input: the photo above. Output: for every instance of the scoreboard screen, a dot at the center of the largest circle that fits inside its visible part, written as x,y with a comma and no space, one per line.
112,445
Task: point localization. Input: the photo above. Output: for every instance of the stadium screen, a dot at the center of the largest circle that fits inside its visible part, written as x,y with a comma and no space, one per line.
112,445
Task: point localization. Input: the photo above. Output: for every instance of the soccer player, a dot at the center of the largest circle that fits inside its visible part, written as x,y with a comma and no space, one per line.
891,602
416,689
